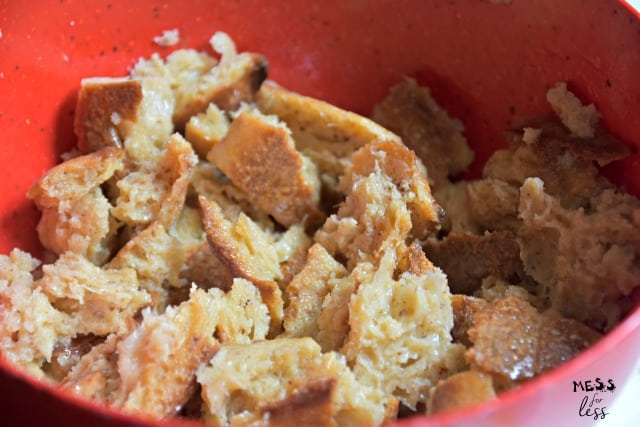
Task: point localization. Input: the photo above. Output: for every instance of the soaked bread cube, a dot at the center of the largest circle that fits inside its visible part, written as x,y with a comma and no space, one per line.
425,128
400,328
252,253
153,192
512,342
75,213
467,259
318,300
584,260
30,326
100,301
197,79
157,362
388,200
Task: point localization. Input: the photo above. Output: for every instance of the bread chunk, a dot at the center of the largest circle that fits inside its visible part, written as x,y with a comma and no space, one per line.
96,374
566,164
585,260
311,303
388,201
327,134
206,129
198,80
412,113
100,301
130,113
580,119
157,362
30,326
75,213
400,330
156,258
461,390
210,182
467,259
259,157
248,384
478,206
156,191
512,342
464,310
251,253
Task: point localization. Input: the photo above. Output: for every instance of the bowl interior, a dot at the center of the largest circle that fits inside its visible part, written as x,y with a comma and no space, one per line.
488,63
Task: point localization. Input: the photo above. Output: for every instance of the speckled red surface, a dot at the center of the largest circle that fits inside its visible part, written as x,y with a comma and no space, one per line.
488,64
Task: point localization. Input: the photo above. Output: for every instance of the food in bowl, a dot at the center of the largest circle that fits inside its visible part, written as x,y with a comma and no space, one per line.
227,250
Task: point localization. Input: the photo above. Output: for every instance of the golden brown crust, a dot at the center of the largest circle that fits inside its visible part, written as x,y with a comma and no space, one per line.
565,164
464,311
424,127
76,177
157,363
227,249
467,258
461,390
99,100
323,132
260,158
401,165
513,342
238,79
307,293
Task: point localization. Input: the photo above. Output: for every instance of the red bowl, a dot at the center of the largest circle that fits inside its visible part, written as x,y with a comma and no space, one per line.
487,62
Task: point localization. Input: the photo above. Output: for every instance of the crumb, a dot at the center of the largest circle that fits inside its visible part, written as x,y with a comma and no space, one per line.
168,38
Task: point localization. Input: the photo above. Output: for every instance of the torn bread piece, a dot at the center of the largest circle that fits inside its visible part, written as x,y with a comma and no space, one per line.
100,301
327,134
411,112
209,181
388,200
156,257
478,206
96,375
250,384
461,390
30,326
258,155
153,192
464,310
318,300
75,213
157,362
581,120
512,342
567,165
467,259
198,79
252,253
150,367
206,129
134,114
584,260
400,328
